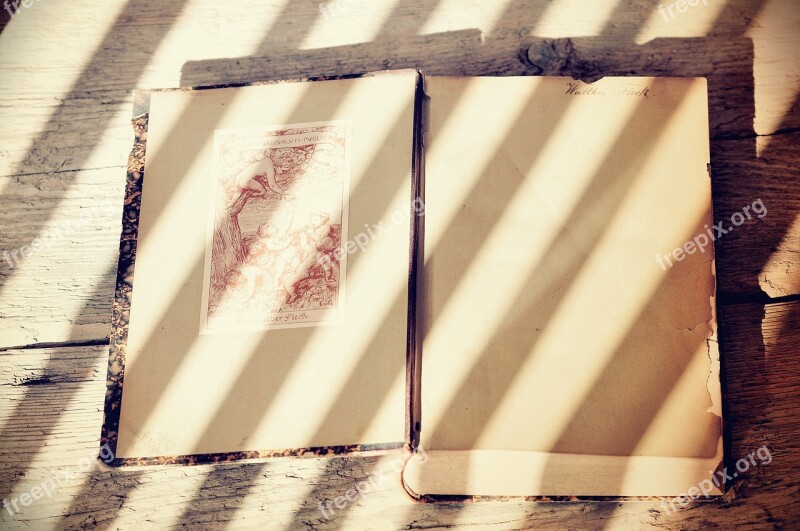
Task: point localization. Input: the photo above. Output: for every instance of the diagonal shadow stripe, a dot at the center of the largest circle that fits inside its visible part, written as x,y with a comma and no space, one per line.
5,18
215,493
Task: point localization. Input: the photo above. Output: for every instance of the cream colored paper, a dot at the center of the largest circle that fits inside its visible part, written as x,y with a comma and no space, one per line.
549,326
343,383
521,473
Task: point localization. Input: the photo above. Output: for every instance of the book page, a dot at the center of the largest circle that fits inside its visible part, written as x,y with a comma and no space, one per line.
270,297
557,318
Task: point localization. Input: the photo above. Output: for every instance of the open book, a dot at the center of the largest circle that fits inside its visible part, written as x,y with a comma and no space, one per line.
515,274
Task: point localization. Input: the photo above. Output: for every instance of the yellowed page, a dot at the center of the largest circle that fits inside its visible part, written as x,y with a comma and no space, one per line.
300,341
549,325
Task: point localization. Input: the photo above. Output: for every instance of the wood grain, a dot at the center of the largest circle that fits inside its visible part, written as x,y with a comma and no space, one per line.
68,72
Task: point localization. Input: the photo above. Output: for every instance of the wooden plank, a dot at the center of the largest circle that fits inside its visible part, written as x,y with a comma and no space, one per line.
51,405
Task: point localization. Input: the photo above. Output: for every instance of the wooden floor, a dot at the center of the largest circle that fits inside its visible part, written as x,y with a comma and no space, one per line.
67,71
